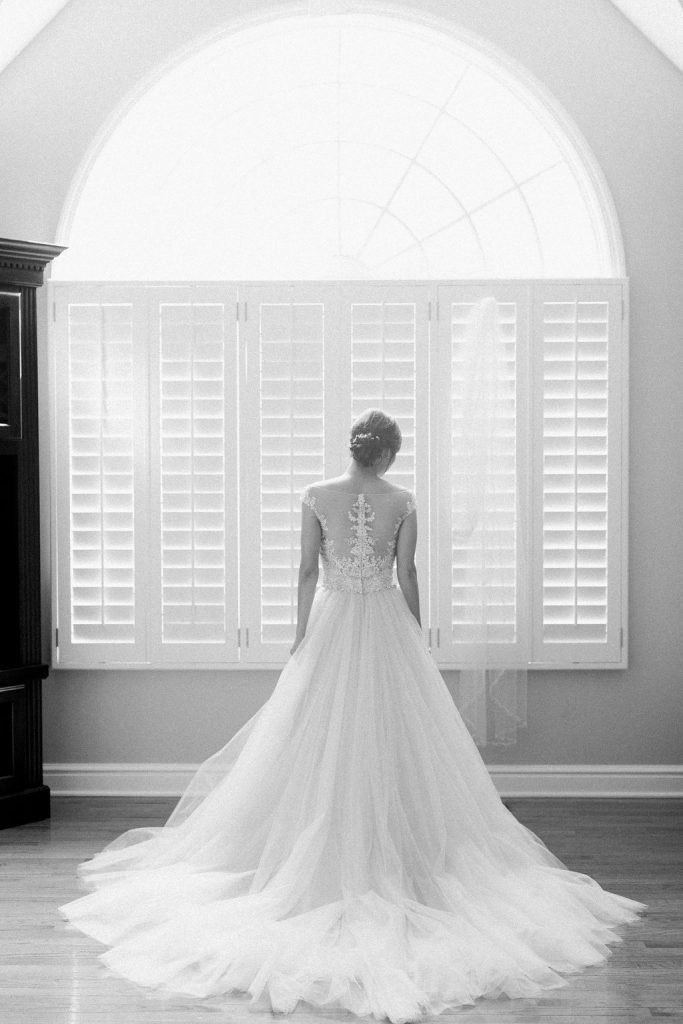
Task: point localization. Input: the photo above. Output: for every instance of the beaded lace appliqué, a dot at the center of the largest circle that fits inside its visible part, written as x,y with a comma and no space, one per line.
363,570
311,501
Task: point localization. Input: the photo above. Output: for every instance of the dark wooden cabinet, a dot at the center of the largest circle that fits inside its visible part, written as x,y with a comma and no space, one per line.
23,797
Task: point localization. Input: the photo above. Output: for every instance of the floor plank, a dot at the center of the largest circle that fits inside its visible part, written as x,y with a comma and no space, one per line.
49,973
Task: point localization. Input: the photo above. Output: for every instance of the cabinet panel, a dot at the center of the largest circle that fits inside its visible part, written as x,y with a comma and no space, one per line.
10,364
12,729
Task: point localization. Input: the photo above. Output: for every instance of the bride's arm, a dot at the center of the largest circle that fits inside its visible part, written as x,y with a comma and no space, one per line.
405,563
308,570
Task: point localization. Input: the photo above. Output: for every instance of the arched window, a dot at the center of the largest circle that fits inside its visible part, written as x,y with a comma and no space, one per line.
348,146
290,225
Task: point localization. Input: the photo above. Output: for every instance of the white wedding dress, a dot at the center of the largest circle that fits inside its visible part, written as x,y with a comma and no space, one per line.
347,846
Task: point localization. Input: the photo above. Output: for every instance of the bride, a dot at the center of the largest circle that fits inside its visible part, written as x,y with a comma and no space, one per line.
347,846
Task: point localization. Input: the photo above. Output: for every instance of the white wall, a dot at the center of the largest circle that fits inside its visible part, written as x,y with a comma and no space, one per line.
627,99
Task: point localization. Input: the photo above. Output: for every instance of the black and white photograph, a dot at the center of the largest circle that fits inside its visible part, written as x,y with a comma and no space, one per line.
341,492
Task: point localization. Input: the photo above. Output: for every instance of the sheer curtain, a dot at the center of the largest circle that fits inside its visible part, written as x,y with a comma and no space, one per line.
489,529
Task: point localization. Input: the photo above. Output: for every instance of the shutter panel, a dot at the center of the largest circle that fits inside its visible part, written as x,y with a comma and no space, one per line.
456,557
194,429
578,473
100,486
282,334
387,365
384,362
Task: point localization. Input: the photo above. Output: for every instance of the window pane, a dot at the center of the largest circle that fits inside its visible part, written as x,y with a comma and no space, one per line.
336,147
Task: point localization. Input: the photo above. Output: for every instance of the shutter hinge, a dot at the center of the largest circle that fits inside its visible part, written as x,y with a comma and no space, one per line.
57,637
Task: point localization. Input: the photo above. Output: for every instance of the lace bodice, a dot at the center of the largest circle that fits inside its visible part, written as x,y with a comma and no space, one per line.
359,532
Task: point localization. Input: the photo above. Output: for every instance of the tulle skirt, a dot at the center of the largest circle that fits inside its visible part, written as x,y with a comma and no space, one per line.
347,848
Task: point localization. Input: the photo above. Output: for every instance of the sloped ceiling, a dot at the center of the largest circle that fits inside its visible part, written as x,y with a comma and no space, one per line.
661,21
20,22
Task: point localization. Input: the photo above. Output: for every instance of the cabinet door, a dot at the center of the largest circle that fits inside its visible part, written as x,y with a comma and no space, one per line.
12,738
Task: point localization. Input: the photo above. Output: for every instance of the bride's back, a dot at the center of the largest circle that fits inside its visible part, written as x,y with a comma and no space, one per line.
359,530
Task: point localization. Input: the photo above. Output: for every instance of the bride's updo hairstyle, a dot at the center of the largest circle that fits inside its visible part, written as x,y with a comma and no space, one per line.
371,434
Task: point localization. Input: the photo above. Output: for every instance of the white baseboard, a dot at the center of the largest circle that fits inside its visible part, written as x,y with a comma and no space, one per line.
586,780
526,780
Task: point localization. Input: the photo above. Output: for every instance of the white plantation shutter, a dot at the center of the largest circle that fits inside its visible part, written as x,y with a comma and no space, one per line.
282,449
184,437
579,534
457,552
99,477
194,474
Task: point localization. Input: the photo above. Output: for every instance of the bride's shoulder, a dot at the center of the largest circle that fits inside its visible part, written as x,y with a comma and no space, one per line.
408,501
317,489
327,486
400,496
318,485
402,492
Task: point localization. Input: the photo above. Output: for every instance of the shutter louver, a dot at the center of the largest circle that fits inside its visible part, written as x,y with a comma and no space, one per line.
383,372
102,485
499,575
99,482
580,484
287,359
575,470
193,473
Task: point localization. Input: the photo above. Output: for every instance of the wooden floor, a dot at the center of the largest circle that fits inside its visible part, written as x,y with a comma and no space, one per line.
50,974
